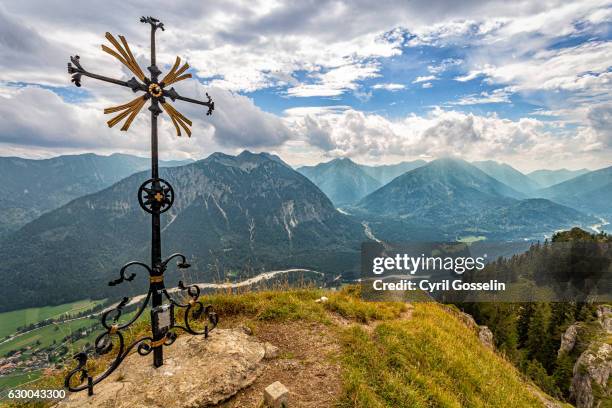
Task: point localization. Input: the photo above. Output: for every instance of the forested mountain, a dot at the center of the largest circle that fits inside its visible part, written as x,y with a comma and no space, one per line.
342,180
230,212
32,187
461,199
590,193
547,178
508,175
440,183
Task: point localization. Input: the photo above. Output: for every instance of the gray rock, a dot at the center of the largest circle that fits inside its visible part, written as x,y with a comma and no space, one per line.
592,370
465,318
485,335
271,351
468,320
197,372
276,395
604,315
568,339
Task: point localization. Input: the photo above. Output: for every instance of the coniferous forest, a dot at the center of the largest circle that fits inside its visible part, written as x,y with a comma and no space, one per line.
546,339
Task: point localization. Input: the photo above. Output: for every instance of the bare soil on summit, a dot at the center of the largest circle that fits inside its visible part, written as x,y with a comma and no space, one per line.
307,364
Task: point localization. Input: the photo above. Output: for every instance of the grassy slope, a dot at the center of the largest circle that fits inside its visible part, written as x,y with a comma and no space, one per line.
393,354
431,360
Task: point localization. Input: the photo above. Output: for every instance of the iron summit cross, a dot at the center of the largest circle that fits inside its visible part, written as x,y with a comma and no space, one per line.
155,197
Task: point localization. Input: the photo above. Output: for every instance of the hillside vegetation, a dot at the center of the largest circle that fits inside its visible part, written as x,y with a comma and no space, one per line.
390,354
546,339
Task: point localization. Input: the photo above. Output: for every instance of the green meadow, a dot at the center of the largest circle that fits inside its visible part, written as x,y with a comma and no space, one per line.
11,381
46,335
10,321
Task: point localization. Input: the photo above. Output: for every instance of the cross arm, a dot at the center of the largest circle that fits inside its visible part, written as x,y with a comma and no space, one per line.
172,94
76,70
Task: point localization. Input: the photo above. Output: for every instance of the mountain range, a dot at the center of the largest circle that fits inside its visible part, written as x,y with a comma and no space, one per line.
461,199
230,213
384,173
242,214
32,187
342,180
590,192
547,178
509,176
346,182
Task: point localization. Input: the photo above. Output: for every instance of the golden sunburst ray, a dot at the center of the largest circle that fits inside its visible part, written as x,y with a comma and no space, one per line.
178,120
124,55
174,75
129,110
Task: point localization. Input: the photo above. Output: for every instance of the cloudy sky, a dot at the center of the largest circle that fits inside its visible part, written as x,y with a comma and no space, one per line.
526,82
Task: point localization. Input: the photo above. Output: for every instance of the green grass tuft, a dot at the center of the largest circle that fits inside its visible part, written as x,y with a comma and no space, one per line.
349,305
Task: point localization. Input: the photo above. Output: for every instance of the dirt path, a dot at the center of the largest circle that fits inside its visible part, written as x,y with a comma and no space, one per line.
306,364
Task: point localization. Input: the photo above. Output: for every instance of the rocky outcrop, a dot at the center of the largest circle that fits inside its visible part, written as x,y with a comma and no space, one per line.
568,339
591,376
604,315
197,372
465,318
485,335
468,320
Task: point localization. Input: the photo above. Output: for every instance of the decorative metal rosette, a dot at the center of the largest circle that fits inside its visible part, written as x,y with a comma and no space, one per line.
156,196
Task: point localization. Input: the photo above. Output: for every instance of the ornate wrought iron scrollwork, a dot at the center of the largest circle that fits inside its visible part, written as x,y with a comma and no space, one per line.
143,346
198,309
193,304
104,345
112,337
122,276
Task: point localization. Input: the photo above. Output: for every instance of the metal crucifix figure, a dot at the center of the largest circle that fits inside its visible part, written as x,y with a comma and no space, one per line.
155,197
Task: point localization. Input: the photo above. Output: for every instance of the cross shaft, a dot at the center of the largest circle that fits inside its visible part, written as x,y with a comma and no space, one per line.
155,195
